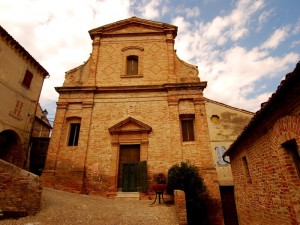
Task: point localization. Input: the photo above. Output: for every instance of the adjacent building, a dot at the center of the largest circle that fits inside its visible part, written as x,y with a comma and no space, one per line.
265,159
225,123
21,81
39,141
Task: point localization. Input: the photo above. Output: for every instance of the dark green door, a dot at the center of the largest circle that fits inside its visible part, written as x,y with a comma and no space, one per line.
129,177
128,160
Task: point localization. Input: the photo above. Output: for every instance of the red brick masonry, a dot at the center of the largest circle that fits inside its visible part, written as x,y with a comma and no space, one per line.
180,204
20,191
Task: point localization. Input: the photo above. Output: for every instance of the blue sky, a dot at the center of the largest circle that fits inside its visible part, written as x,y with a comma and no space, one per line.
242,48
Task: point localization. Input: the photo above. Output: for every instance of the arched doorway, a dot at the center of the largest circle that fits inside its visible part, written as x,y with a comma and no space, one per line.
10,148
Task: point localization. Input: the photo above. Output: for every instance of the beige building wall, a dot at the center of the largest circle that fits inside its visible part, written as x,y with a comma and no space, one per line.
225,123
18,102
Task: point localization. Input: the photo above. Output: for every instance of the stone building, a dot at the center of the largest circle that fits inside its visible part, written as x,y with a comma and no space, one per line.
225,123
39,141
21,81
131,110
265,159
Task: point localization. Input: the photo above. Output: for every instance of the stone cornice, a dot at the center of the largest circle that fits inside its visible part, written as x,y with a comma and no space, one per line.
141,88
156,28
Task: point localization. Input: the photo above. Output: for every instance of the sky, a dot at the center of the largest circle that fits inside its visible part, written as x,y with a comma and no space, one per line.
243,48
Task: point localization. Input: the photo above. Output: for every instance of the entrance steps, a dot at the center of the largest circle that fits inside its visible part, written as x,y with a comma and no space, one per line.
128,195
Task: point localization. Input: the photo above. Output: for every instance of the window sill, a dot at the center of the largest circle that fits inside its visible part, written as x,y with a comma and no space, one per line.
132,76
188,142
16,116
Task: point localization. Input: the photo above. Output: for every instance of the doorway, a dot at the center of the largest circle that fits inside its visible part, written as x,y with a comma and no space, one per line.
129,157
228,205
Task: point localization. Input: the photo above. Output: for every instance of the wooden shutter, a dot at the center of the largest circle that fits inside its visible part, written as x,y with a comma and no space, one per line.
132,65
27,79
142,178
187,130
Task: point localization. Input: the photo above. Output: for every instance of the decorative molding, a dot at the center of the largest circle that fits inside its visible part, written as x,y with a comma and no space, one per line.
132,48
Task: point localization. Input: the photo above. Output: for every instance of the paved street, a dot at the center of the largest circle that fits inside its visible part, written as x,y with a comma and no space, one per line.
65,208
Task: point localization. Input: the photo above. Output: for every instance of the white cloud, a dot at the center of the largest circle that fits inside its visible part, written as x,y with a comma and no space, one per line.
295,43
58,38
150,9
277,37
56,32
232,73
296,29
263,18
232,26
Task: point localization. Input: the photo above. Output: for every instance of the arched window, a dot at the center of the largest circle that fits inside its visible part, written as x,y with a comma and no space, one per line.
132,65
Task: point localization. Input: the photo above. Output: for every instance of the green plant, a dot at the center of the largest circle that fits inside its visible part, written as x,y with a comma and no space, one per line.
159,178
186,177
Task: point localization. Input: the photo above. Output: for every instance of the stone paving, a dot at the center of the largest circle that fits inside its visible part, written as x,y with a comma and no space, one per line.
63,208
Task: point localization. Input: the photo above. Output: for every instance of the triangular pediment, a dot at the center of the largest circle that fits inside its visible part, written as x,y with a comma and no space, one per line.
130,125
133,25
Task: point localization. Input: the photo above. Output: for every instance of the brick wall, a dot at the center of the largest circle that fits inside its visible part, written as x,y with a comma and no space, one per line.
271,192
20,191
180,205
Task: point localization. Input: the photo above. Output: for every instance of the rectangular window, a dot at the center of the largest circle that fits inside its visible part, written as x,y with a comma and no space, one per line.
132,65
18,108
291,147
27,79
187,127
246,169
74,134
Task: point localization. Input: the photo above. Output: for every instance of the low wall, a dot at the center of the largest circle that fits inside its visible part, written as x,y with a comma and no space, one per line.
20,191
180,205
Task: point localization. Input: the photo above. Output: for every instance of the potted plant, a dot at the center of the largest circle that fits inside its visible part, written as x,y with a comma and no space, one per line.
160,182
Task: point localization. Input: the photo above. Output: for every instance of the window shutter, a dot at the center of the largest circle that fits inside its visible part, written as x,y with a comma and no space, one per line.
132,65
142,180
27,79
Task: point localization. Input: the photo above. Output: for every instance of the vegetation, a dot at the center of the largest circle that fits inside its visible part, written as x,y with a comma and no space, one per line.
159,178
185,176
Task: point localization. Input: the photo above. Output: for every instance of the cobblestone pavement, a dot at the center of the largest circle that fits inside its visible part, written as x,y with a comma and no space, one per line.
63,208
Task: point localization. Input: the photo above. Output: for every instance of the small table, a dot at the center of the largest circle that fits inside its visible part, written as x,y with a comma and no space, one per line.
159,194
159,191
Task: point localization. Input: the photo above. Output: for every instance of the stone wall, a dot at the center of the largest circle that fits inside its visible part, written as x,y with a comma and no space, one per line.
180,205
20,191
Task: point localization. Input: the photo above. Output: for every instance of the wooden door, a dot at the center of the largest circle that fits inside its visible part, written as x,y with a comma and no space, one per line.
127,176
228,204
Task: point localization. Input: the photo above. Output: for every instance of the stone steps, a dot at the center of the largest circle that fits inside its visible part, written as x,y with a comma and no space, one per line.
128,195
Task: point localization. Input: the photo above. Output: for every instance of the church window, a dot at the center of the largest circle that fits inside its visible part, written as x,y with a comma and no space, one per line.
132,65
187,127
74,134
27,79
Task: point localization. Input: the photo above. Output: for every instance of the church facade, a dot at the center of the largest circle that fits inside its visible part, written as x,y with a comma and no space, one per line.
132,110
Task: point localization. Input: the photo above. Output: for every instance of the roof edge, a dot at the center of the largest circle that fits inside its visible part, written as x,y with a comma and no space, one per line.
20,48
283,86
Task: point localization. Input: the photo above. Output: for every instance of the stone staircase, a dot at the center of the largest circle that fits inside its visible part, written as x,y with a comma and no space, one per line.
128,195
